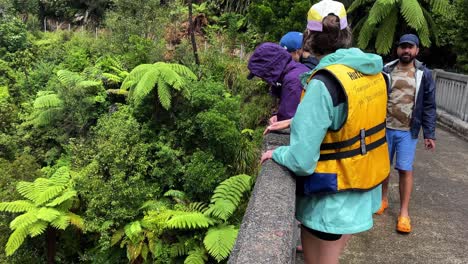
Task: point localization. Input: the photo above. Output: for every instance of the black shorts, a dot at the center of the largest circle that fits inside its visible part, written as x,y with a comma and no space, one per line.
322,235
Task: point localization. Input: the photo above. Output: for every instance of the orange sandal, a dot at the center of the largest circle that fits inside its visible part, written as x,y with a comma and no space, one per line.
383,206
404,224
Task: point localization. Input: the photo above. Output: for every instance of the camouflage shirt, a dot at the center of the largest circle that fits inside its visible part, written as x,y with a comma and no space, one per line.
401,100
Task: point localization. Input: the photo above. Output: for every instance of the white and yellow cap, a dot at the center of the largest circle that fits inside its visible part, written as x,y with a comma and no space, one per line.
322,9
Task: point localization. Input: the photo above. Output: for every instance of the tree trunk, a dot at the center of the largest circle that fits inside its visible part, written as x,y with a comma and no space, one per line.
51,237
192,34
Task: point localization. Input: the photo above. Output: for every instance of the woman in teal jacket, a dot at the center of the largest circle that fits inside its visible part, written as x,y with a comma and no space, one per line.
328,220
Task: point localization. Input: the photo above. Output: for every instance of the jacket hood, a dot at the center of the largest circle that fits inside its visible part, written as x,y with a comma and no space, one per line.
355,58
269,62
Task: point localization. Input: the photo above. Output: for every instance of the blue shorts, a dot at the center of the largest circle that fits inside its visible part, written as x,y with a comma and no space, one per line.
404,146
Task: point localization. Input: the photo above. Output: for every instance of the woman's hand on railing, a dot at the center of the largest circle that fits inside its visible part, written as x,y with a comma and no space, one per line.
266,156
278,126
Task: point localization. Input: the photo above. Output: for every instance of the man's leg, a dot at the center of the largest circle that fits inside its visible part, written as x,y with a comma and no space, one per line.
406,187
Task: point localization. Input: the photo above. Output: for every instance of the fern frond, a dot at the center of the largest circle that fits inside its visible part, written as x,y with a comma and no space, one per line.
197,256
232,188
47,195
424,34
175,194
37,228
16,206
197,207
386,32
365,34
88,84
164,94
440,6
67,195
356,4
189,220
133,231
47,116
48,214
170,77
379,11
412,12
47,101
153,205
61,176
145,85
112,77
61,222
69,78
24,220
432,26
219,241
182,70
179,249
157,220
76,220
221,209
135,75
15,240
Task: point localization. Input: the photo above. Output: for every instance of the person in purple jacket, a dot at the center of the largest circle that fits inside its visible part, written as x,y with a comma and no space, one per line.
273,64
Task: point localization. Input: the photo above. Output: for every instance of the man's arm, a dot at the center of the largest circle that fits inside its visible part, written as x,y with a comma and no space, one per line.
429,106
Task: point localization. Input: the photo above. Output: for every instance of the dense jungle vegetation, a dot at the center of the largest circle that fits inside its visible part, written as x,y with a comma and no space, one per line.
120,144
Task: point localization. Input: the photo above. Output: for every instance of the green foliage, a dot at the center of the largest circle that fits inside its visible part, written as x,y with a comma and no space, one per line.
219,241
227,196
13,35
163,76
275,18
48,203
384,21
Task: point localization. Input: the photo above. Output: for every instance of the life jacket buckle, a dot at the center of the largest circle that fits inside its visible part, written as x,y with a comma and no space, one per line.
362,135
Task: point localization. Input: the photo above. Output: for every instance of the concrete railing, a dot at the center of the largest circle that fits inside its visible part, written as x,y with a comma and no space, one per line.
452,100
452,93
268,231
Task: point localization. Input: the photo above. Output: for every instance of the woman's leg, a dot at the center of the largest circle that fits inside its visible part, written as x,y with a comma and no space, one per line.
318,251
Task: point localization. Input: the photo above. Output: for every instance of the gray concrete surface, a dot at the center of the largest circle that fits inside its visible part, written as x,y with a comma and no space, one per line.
438,209
267,232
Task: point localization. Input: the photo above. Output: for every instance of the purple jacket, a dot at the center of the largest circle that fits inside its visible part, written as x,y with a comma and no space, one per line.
274,64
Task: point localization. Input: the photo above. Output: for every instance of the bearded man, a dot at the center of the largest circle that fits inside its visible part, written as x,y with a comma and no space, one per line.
411,105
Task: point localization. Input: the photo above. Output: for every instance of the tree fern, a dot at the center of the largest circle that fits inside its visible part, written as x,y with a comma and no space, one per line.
382,15
43,208
219,241
144,78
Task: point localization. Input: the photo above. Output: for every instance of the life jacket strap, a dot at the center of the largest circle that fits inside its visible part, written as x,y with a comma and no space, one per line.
362,150
351,141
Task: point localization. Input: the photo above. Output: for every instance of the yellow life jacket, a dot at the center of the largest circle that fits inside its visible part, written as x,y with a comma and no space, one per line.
354,156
